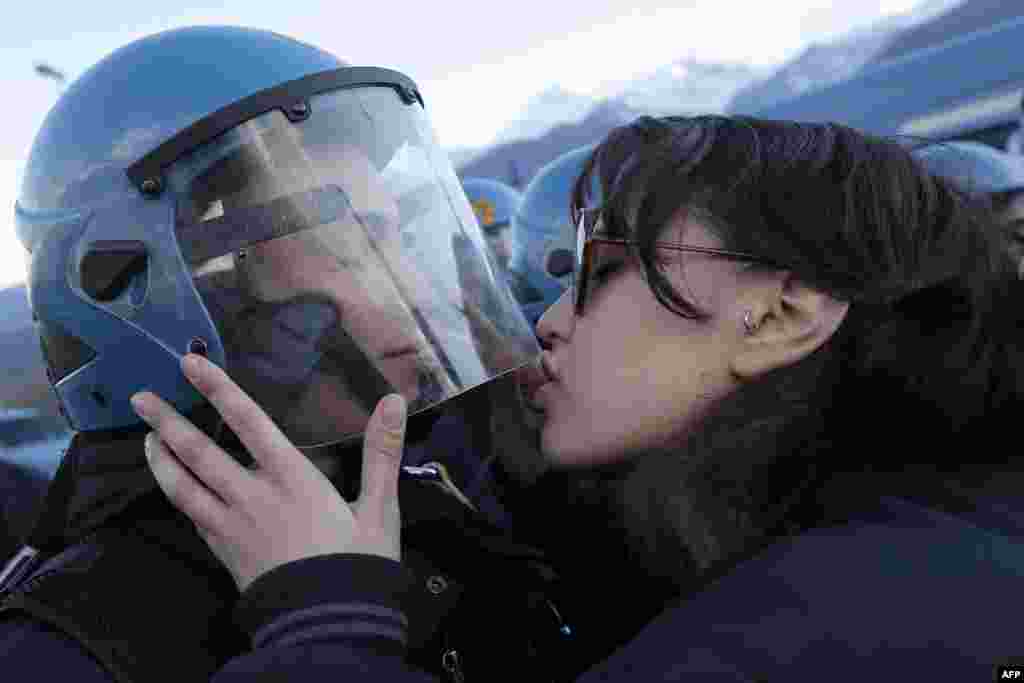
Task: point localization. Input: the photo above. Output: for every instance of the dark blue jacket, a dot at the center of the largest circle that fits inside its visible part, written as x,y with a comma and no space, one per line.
902,593
141,579
21,491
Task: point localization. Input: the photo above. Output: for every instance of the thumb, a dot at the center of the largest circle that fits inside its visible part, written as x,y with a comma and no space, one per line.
382,454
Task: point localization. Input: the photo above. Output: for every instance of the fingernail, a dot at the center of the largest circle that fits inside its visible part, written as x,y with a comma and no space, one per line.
191,366
139,404
146,445
393,411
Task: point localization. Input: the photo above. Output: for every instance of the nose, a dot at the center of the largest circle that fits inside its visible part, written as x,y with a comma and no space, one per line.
557,322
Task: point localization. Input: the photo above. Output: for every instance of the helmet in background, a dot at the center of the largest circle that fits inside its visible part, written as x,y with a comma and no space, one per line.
494,204
543,232
975,167
986,172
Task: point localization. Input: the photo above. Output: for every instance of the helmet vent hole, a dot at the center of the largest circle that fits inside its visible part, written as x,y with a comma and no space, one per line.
110,267
99,398
197,346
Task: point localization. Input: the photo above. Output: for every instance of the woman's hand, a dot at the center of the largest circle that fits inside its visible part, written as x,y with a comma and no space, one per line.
283,509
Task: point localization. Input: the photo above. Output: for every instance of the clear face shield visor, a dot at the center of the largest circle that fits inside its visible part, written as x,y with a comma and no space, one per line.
340,261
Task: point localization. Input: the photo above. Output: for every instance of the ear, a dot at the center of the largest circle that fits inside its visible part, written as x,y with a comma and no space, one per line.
791,322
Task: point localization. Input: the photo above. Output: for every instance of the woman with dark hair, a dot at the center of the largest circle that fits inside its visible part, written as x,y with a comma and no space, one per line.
770,403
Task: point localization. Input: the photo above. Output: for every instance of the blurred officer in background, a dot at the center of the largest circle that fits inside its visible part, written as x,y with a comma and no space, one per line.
494,204
544,235
989,173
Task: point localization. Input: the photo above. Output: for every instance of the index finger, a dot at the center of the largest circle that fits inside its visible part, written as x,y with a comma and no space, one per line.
261,437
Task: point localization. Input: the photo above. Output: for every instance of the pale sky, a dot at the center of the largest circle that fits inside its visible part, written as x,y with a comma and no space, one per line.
475,70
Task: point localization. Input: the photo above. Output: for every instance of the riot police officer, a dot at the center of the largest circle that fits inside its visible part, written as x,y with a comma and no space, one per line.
251,198
494,204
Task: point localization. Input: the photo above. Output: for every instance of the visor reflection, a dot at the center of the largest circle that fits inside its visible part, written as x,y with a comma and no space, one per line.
334,284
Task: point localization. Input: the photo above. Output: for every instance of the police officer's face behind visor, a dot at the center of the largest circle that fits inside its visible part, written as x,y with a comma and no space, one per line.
353,263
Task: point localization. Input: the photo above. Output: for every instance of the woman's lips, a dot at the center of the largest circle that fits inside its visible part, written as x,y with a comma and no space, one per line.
547,365
533,377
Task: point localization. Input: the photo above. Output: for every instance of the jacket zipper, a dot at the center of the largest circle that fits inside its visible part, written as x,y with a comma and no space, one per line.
450,662
436,473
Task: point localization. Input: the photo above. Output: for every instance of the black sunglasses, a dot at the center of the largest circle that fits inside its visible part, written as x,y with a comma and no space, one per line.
585,239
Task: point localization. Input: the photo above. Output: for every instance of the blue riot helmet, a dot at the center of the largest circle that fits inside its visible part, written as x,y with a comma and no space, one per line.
494,204
1015,141
544,237
985,172
237,193
975,167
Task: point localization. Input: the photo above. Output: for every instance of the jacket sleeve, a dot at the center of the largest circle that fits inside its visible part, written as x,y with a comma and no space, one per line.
32,650
339,618
331,617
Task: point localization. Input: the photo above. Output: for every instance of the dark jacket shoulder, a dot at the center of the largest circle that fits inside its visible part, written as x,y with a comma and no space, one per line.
906,591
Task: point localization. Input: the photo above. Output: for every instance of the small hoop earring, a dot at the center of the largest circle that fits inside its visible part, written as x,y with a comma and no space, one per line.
748,324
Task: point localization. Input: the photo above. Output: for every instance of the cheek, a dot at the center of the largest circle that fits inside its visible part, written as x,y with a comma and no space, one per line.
617,411
635,390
